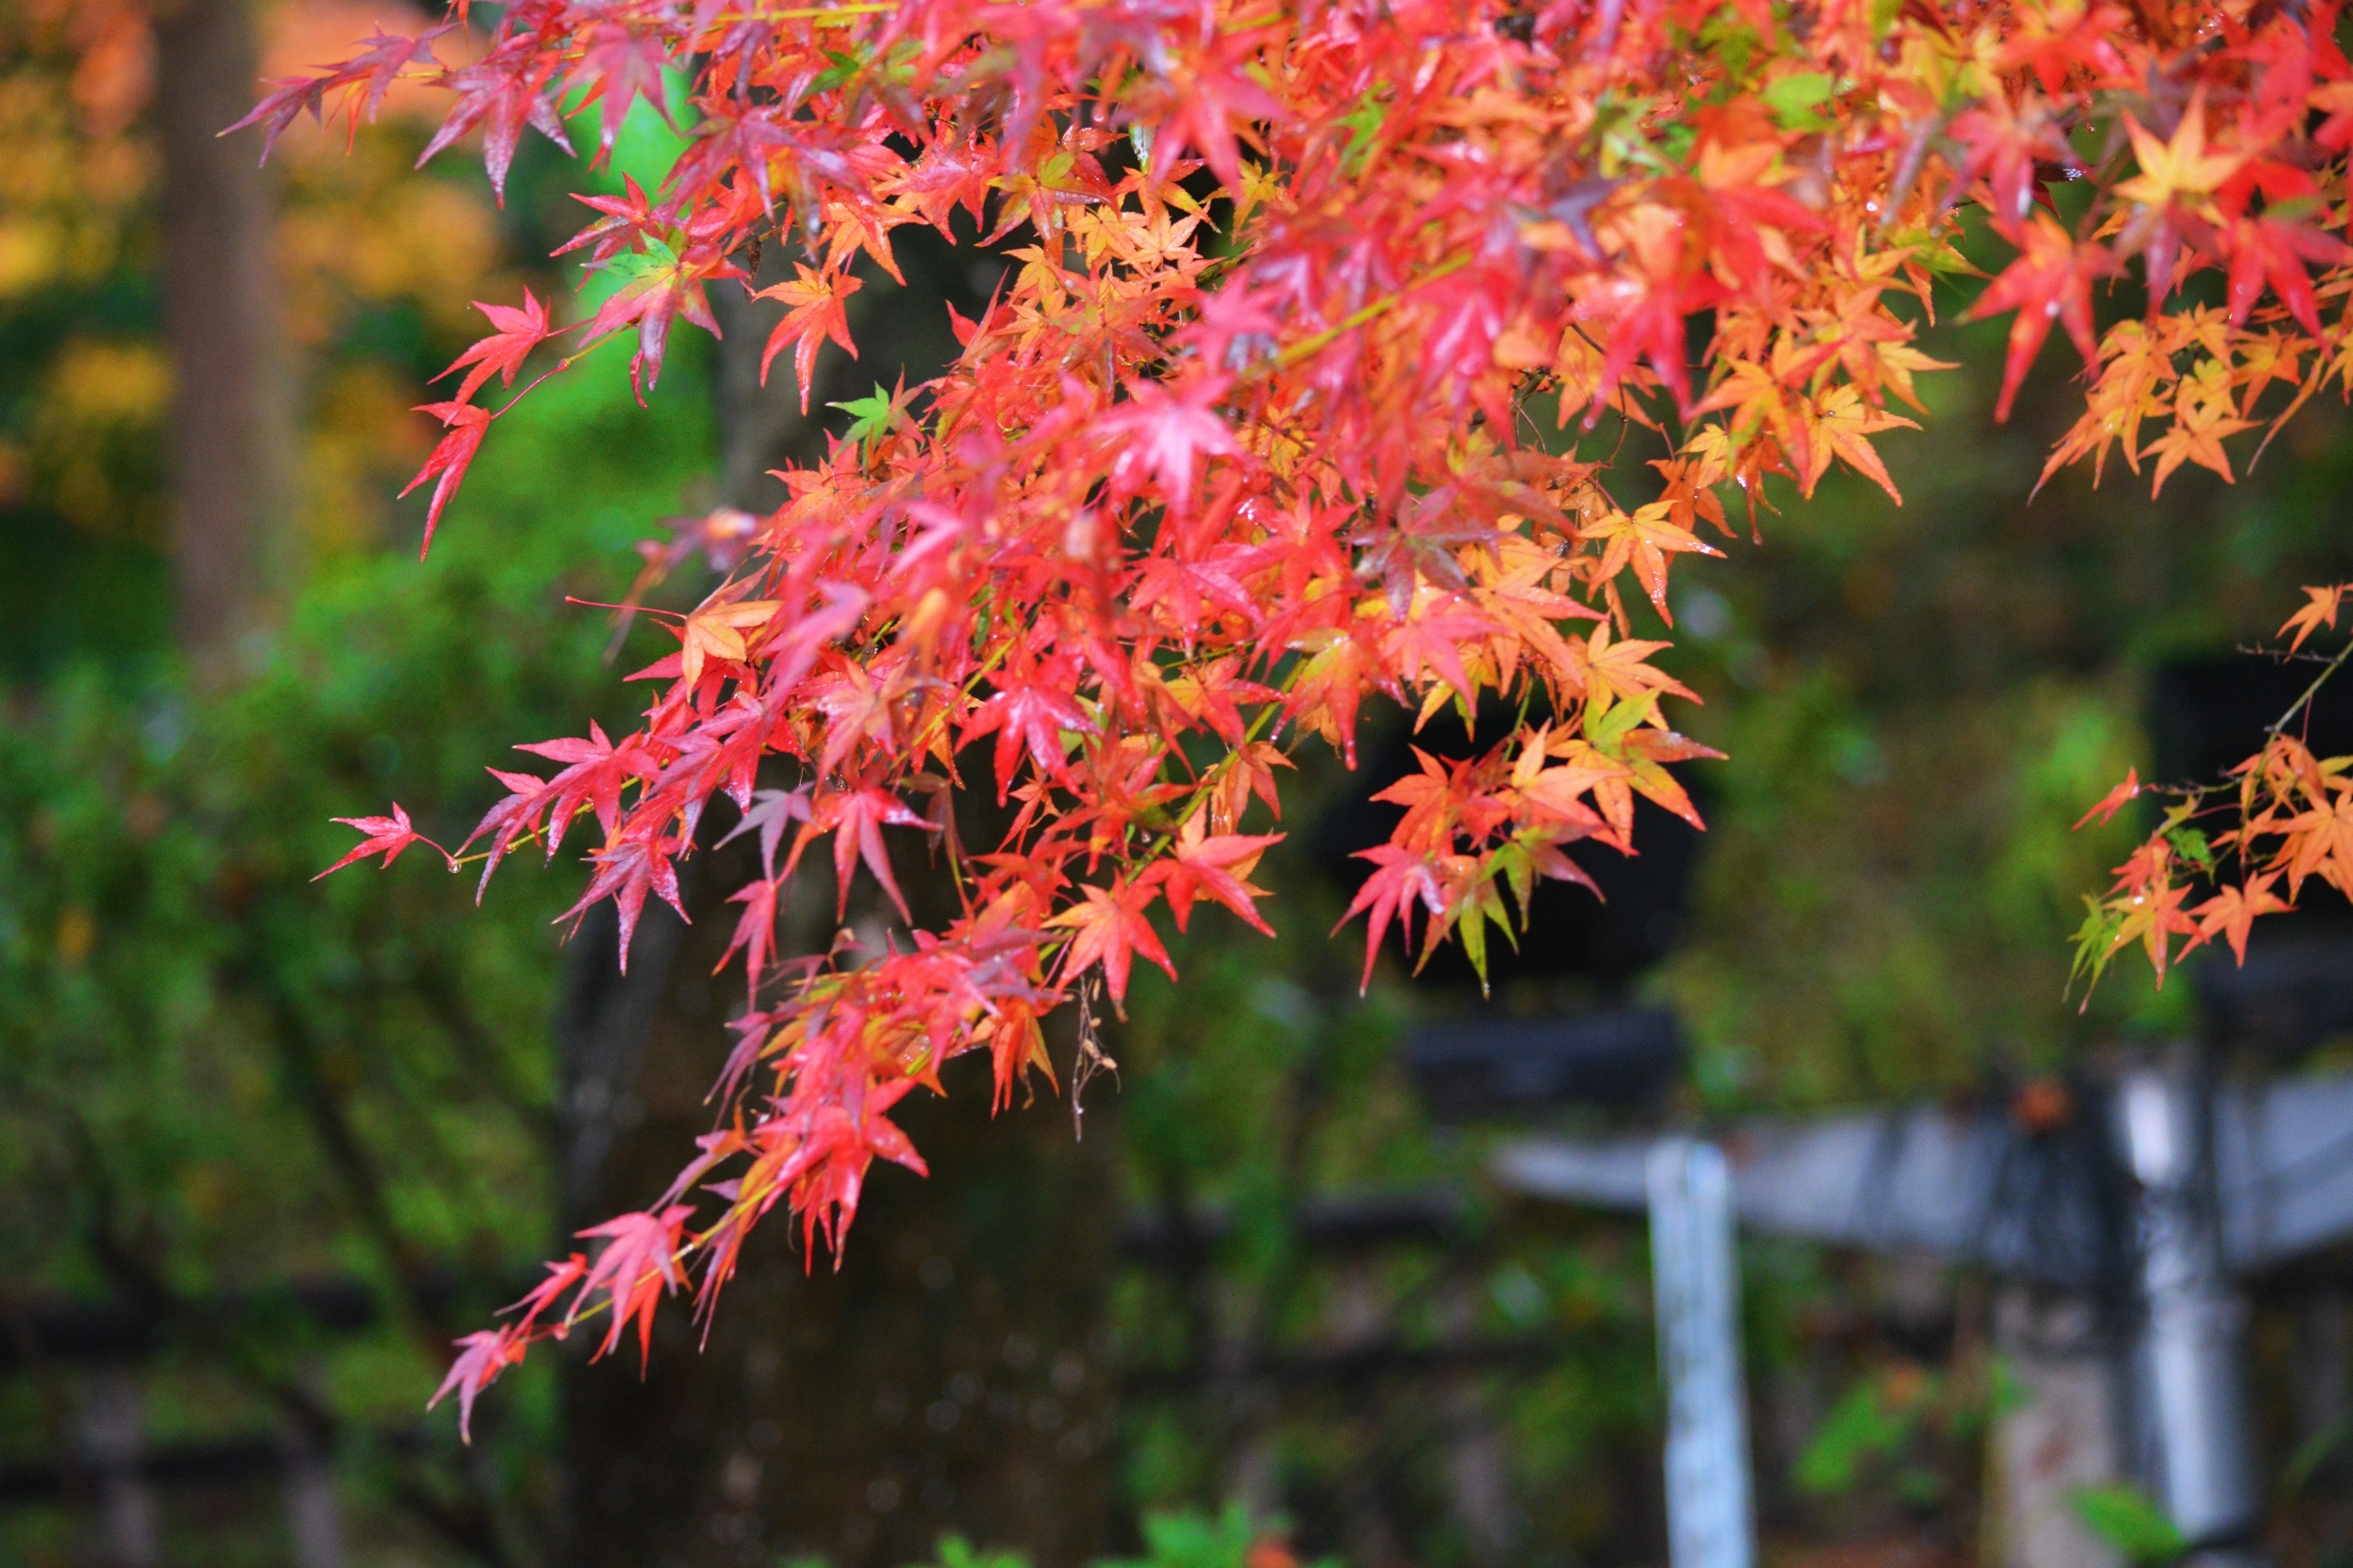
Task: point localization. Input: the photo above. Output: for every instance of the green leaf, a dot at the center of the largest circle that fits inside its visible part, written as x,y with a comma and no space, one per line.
630,266
1195,1540
1733,42
871,419
955,1552
2008,1393
1795,100
847,68
2095,942
1936,253
1860,1427
1919,1486
2314,1452
2193,846
1609,731
2123,1516
1484,905
1362,123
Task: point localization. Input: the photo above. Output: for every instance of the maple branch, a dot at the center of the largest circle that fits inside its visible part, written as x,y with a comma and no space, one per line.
2279,726
1307,347
1128,459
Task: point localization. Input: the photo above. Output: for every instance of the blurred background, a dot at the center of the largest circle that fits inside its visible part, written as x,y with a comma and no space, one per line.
267,1145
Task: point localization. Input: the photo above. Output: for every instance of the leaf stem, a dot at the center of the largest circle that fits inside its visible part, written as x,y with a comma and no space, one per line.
1322,340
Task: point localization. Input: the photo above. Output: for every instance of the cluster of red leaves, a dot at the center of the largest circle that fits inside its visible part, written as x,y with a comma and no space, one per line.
2292,820
1247,438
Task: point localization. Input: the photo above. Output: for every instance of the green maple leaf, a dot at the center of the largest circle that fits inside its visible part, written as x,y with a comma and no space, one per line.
871,419
1796,100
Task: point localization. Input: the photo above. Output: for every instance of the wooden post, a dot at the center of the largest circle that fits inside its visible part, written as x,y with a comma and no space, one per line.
2189,1364
1696,1280
2055,1434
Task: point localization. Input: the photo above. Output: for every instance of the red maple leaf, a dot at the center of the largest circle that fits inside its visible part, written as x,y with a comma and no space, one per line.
280,107
467,425
2271,246
561,1277
768,813
366,77
837,1144
1036,712
2086,40
481,1356
662,286
2051,280
755,931
1214,91
1399,878
1644,308
627,870
386,836
1218,866
817,314
502,94
381,64
597,773
620,68
2231,913
629,219
2319,609
2010,150
1111,928
2113,802
1168,435
856,818
639,1265
1434,639
520,331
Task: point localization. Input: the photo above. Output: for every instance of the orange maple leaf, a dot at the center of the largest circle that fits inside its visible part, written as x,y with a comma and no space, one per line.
2113,802
2319,610
2233,911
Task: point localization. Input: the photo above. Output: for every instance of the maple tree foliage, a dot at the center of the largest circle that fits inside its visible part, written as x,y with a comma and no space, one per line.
1256,431
2287,817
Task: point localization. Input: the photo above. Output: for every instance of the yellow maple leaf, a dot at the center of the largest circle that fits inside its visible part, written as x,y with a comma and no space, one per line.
2203,414
2181,167
1841,421
716,631
1644,539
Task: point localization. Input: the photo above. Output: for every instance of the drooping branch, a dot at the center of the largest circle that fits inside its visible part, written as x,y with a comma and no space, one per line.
1273,417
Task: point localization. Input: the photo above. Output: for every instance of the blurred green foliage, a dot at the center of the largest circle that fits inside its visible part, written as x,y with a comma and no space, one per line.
222,1077
1185,1538
2124,1517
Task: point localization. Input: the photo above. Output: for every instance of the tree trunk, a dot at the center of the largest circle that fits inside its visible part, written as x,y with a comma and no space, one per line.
232,432
950,1374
